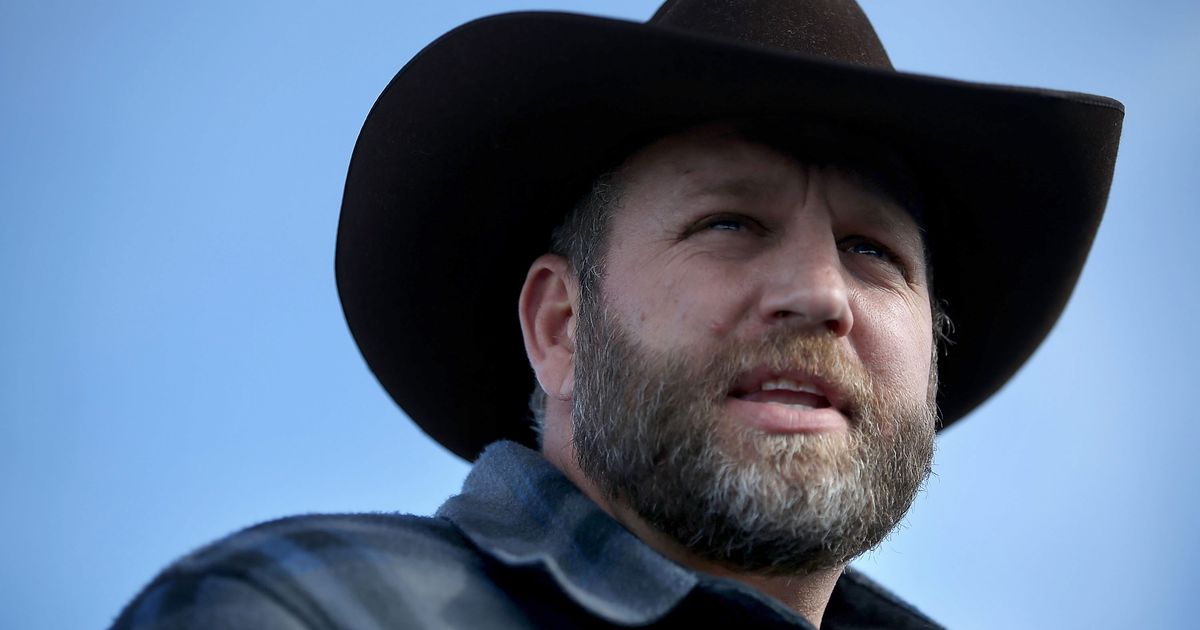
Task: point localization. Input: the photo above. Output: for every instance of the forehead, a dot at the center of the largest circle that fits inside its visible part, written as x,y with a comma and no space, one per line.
724,159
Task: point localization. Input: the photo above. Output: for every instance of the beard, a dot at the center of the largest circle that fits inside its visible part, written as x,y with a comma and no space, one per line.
649,433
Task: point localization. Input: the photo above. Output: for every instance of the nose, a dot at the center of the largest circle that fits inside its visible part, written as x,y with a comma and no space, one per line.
805,288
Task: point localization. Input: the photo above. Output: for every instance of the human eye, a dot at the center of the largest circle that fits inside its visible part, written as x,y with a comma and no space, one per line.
726,222
872,249
866,247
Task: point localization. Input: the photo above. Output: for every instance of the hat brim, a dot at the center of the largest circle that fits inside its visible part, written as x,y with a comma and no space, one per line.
477,148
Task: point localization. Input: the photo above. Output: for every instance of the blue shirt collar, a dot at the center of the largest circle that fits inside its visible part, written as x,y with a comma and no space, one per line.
523,511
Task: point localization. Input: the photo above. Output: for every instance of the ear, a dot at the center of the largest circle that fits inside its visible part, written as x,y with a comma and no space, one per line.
549,301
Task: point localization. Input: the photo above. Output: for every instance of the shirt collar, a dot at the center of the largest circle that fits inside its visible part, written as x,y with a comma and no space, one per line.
523,511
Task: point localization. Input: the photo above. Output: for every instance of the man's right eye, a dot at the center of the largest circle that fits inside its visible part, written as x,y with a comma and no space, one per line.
727,224
732,223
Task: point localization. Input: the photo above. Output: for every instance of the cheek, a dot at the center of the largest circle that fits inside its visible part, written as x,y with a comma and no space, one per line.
894,339
643,299
675,304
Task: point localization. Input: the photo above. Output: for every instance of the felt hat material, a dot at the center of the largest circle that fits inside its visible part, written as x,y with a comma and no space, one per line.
480,145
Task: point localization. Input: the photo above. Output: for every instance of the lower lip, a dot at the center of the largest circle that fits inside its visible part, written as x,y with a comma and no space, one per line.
778,418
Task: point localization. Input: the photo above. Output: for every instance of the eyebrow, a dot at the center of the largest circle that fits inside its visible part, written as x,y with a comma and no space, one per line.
893,221
755,186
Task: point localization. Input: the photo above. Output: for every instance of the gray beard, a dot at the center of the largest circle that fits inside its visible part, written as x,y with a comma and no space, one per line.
648,433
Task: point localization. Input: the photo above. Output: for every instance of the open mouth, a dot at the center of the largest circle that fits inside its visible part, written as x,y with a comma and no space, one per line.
786,402
783,391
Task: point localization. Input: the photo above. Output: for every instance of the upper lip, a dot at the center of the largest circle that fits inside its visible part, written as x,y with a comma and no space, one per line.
753,380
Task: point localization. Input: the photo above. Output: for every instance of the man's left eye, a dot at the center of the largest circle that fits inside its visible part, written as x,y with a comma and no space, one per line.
868,248
874,250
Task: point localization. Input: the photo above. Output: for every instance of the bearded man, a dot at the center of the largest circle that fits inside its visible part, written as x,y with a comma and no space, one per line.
734,337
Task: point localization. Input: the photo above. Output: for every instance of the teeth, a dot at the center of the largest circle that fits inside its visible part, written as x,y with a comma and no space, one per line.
792,405
788,384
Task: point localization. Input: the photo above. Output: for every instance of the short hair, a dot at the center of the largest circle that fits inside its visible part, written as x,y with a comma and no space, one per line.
582,239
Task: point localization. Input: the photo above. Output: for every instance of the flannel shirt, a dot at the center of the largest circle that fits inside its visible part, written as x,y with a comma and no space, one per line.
520,547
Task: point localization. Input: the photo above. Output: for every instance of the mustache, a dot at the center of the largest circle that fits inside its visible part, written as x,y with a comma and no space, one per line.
817,355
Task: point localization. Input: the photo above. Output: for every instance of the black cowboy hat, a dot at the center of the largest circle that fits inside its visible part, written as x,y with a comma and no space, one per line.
478,146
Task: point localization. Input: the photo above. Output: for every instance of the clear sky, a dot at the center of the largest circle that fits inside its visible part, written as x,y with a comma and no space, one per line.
174,364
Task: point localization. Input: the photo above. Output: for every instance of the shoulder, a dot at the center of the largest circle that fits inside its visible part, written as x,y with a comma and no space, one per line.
355,570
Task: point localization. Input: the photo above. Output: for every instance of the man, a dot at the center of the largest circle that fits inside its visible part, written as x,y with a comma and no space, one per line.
758,232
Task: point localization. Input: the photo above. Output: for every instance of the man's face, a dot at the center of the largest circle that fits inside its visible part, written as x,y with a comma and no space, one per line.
754,377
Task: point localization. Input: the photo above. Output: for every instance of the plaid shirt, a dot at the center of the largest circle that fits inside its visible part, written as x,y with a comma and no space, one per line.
521,547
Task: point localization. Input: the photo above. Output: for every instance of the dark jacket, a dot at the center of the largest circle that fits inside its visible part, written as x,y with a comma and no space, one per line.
521,547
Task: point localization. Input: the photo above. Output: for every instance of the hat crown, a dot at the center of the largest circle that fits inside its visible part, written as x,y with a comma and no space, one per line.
833,29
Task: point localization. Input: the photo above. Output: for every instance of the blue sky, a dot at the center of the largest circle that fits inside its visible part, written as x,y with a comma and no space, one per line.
176,366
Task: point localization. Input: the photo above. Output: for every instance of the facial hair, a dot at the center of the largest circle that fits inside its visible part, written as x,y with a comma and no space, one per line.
649,432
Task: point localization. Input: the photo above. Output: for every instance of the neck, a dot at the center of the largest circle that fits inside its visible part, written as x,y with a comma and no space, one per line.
807,594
